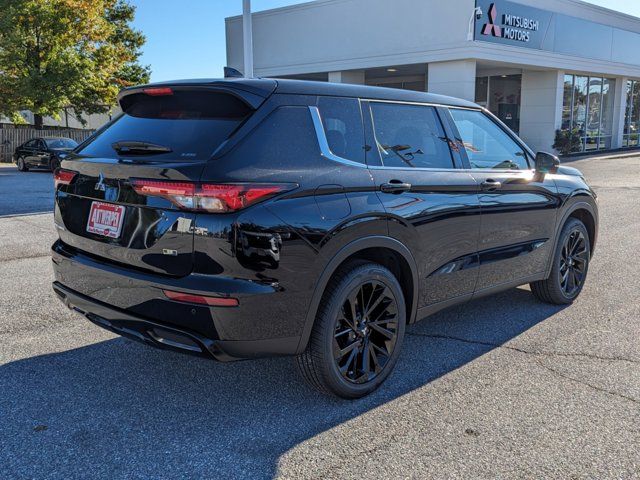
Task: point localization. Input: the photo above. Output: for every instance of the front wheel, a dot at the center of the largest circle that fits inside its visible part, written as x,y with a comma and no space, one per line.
358,332
570,266
22,165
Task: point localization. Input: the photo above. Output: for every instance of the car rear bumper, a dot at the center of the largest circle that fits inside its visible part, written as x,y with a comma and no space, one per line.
131,303
136,328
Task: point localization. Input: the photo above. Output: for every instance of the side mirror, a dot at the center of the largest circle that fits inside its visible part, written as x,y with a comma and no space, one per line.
546,163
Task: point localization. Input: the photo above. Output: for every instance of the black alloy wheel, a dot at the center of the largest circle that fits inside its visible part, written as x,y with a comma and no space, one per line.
366,332
358,331
573,262
570,266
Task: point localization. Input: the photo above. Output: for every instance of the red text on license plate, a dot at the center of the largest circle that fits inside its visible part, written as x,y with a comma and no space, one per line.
105,219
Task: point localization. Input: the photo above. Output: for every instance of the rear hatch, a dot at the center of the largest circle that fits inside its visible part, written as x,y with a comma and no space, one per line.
124,195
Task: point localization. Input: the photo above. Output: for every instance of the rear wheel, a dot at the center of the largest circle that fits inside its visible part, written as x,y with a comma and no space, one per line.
22,166
570,266
358,332
54,164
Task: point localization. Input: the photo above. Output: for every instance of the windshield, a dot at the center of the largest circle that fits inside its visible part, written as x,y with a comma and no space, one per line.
61,143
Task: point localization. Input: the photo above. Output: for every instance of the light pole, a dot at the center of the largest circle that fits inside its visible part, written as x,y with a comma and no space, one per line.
247,38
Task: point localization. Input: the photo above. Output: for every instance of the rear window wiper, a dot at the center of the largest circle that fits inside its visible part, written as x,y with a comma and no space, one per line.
139,148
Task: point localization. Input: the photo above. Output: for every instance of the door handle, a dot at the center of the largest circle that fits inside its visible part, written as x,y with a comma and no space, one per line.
395,186
490,185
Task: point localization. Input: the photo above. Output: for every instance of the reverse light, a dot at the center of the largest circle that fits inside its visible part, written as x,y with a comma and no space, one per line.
201,299
63,177
158,91
208,197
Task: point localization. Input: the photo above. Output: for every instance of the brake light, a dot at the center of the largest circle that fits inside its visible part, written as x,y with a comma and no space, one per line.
158,91
201,299
63,177
207,197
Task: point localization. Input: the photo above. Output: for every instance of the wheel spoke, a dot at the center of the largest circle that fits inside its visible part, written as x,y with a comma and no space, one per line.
387,333
341,353
572,281
374,287
390,322
353,300
374,357
343,319
380,350
580,266
376,303
345,368
343,332
576,244
564,279
365,360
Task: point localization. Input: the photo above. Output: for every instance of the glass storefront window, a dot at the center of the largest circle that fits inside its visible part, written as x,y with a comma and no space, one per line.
568,102
588,110
592,125
580,93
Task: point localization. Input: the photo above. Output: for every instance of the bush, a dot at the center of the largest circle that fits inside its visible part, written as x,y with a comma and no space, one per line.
568,141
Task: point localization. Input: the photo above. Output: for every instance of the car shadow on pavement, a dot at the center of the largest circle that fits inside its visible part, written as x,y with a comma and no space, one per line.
117,408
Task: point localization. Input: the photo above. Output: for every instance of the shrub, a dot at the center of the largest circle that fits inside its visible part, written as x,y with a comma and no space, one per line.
568,141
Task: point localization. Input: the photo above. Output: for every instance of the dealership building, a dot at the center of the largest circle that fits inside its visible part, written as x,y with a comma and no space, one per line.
539,65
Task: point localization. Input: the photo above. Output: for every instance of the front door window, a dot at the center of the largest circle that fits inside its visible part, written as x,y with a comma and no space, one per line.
486,144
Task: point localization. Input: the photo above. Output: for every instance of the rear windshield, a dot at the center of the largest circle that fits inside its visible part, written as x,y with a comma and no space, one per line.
182,125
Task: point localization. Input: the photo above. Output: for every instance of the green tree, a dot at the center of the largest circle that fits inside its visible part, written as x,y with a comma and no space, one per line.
60,53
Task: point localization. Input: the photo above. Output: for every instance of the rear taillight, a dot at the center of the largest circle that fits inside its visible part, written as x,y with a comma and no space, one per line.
209,197
201,299
63,177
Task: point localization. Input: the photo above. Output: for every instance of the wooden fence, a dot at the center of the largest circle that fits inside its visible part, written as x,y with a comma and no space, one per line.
11,137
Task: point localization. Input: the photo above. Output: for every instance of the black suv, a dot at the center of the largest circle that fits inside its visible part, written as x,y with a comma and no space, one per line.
242,218
43,152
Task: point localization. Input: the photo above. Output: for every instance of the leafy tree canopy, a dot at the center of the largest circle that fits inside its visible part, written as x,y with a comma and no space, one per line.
61,53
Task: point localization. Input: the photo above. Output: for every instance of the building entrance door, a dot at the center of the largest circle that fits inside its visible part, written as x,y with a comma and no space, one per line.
501,94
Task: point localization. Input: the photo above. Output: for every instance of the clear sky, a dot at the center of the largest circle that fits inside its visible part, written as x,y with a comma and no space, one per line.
186,38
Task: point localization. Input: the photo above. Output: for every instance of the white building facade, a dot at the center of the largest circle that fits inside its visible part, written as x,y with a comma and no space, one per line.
539,65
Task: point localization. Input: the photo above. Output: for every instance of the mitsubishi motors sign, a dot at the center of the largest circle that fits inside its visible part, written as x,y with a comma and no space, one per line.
512,24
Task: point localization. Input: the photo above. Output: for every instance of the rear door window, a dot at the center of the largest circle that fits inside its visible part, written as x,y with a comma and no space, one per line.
183,125
342,122
410,136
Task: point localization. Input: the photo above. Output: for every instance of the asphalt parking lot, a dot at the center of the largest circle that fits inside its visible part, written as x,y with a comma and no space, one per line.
503,387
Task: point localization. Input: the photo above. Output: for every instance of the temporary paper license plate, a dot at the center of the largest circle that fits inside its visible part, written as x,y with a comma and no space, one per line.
105,219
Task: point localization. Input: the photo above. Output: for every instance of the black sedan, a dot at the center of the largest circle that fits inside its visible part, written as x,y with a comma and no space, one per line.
44,152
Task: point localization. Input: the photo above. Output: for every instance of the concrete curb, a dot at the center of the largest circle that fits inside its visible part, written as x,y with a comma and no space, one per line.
611,156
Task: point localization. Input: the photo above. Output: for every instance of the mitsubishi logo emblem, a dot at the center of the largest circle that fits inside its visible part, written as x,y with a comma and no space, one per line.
100,185
491,28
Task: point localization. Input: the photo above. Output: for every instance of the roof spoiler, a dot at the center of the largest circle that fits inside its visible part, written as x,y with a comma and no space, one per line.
253,93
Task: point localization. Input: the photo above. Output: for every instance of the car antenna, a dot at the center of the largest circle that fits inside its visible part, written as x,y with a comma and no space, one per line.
232,73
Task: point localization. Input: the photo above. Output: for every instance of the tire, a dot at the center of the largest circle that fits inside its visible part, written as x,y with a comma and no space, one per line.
379,332
22,166
570,266
54,164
